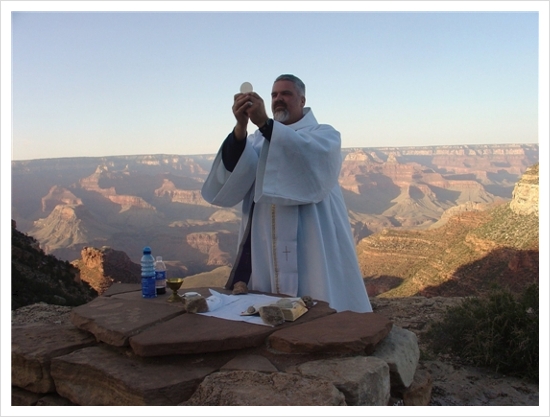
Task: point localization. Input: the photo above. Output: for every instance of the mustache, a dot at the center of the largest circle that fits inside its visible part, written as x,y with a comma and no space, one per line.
279,103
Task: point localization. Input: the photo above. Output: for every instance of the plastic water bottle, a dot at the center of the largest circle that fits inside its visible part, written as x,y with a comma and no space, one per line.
160,275
148,274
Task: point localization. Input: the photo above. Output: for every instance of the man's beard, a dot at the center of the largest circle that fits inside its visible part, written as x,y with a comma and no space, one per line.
281,115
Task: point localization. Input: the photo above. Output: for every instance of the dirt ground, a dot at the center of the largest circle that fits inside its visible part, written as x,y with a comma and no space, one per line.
453,382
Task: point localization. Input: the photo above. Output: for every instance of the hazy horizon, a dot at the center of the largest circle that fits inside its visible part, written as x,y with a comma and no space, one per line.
343,149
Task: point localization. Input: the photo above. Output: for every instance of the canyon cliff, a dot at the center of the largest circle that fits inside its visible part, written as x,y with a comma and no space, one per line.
100,268
128,202
472,248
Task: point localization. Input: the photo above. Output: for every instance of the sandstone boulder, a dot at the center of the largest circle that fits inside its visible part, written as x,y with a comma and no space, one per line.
34,346
400,351
525,196
419,392
101,375
252,388
364,380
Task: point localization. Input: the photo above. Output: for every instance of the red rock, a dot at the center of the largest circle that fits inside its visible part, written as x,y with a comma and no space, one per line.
100,268
194,333
345,332
100,375
34,346
115,319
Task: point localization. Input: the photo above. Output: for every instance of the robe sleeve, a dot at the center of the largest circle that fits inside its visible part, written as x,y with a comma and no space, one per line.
298,167
232,150
228,188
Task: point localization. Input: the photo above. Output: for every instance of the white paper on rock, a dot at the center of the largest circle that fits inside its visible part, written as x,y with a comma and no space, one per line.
230,307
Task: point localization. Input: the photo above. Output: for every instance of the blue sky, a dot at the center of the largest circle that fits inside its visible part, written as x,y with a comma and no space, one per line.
123,83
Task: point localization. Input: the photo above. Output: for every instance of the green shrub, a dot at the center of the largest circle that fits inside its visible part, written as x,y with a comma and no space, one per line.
499,331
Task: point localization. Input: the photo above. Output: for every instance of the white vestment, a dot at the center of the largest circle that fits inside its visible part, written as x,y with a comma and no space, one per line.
301,241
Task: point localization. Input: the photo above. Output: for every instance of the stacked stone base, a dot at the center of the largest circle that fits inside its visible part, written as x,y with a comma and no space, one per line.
334,359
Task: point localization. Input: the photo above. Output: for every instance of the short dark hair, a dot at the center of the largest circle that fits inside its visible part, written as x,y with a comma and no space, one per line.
299,84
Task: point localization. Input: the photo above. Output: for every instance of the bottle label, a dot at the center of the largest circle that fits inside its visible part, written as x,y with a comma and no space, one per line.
148,289
160,278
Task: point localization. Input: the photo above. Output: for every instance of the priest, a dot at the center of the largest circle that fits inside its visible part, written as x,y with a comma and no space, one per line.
295,237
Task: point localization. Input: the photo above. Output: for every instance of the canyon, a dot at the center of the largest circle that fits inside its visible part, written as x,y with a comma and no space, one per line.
408,270
127,202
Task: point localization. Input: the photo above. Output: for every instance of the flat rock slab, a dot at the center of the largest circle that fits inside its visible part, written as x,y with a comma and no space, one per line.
194,333
34,346
102,375
342,333
120,288
113,320
251,388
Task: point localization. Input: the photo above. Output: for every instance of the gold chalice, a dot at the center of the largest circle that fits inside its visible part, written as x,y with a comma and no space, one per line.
174,284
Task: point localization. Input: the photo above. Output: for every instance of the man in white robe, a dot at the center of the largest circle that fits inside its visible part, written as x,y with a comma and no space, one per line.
295,236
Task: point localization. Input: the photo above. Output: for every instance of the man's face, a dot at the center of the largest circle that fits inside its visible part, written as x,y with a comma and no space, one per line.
286,103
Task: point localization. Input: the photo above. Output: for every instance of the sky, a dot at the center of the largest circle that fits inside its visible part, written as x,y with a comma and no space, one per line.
88,79
99,83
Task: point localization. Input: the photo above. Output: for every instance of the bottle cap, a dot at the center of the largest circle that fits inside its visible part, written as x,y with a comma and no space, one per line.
159,258
146,250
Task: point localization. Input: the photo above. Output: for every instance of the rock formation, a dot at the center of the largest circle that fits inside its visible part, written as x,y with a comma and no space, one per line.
211,243
121,340
525,197
462,255
100,268
37,277
444,379
59,195
175,195
92,183
124,201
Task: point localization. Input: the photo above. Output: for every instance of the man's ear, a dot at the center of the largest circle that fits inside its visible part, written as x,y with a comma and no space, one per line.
303,101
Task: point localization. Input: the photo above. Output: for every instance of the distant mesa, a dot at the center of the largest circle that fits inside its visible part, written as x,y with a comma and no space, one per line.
127,202
59,195
169,190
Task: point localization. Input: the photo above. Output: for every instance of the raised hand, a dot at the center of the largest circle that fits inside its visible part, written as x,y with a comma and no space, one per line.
241,104
256,110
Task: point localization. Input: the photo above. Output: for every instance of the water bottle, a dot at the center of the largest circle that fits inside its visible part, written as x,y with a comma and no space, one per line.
160,275
148,274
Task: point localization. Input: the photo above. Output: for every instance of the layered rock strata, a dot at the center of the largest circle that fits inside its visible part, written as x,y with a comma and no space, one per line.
100,267
525,197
